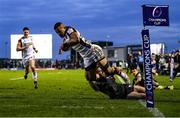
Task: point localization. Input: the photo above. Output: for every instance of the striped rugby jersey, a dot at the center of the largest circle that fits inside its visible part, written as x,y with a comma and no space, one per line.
29,51
84,47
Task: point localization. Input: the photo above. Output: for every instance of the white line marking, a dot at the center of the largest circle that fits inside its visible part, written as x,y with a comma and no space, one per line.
18,78
63,106
154,111
55,73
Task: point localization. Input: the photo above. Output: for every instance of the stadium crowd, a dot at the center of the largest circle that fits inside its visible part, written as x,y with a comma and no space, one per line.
160,62
40,63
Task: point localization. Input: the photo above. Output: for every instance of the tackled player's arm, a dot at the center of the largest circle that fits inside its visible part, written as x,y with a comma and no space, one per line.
139,78
73,41
19,46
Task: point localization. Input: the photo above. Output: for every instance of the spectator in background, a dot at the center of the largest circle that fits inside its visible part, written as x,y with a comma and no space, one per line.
129,62
153,63
174,67
140,61
162,64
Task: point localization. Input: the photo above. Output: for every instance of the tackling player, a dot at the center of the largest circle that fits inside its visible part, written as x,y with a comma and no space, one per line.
119,90
138,79
25,44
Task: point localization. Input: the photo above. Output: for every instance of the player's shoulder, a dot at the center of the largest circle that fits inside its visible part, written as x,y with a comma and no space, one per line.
138,74
70,29
30,37
20,39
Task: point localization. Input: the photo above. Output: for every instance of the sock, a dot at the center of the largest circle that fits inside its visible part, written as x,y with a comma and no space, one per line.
25,73
125,77
34,76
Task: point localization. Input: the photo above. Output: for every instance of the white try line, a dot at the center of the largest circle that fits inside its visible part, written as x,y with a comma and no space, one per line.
154,111
54,73
63,106
18,78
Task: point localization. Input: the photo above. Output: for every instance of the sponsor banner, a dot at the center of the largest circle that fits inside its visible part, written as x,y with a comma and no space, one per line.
155,15
147,69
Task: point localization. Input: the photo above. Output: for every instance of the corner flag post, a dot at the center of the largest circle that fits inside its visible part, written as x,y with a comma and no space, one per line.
147,68
153,15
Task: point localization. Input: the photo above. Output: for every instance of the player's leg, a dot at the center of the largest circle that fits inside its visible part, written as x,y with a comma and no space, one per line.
172,76
104,65
139,89
102,62
136,95
26,71
176,70
156,85
90,73
34,73
26,68
110,71
123,75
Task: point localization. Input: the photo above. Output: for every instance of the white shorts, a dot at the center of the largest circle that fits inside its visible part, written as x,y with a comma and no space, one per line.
26,60
97,55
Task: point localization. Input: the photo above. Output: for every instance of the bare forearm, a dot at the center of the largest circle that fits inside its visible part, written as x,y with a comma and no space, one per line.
66,45
20,48
70,43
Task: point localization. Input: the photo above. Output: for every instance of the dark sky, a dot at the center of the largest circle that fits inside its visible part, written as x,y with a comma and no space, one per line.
119,21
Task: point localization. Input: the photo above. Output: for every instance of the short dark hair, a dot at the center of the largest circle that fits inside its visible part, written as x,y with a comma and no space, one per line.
133,66
57,25
25,28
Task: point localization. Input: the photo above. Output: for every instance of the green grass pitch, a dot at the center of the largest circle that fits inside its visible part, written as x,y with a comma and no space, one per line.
66,93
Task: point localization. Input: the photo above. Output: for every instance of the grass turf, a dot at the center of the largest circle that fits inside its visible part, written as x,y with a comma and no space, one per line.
67,93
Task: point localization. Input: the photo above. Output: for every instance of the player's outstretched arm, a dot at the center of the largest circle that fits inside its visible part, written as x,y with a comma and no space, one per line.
35,48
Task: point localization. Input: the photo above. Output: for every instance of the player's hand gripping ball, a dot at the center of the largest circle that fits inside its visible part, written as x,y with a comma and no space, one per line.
65,47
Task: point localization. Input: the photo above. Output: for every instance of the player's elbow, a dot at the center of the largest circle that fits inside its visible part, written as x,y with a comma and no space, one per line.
17,49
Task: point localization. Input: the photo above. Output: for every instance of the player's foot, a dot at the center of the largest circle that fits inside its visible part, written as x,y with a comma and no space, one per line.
160,87
25,76
35,84
171,87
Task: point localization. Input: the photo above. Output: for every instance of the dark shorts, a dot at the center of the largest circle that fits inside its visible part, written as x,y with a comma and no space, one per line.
124,90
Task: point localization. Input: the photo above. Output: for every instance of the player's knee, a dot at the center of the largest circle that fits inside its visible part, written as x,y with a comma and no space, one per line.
90,77
87,77
108,69
94,85
32,68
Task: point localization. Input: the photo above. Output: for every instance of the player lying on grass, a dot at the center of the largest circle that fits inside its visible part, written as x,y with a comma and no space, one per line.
115,90
92,55
138,79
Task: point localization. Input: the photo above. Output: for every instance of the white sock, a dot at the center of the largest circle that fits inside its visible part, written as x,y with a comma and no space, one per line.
125,77
34,76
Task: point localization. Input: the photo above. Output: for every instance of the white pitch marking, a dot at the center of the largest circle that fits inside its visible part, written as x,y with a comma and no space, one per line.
80,107
18,78
154,111
63,106
54,73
